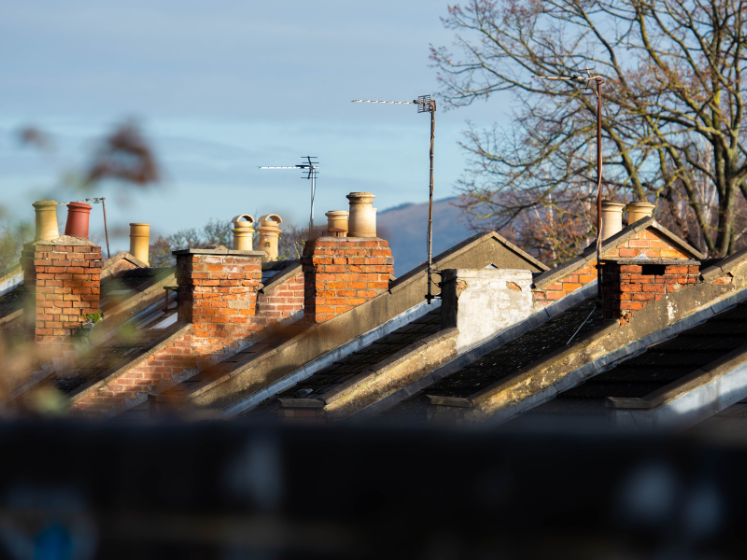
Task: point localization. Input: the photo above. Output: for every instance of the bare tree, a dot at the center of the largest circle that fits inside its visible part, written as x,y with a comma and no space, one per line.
674,108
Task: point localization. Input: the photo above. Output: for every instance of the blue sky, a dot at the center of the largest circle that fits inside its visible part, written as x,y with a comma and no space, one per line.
223,87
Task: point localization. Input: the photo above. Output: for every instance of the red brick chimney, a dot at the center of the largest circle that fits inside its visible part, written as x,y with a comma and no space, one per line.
628,285
62,277
218,294
343,272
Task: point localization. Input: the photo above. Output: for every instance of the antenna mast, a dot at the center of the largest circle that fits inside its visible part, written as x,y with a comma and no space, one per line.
597,81
425,105
313,169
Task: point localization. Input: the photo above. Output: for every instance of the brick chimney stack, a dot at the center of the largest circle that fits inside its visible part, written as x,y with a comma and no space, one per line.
343,272
218,294
63,278
628,285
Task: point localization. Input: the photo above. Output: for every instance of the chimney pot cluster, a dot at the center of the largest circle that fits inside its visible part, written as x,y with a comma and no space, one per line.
612,214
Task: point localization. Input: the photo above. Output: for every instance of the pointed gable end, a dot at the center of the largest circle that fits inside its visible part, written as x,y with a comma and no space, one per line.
644,239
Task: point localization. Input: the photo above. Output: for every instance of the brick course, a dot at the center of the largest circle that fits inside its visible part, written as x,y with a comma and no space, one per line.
646,242
63,282
628,288
343,272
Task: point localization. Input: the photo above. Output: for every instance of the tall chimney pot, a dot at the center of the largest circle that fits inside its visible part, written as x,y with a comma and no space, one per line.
612,213
362,219
639,210
78,214
243,232
338,219
46,220
140,241
269,234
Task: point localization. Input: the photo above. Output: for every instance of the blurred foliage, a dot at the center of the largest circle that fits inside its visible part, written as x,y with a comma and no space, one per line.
12,238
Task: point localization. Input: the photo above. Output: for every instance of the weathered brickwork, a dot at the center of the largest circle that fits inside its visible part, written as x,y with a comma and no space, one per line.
63,282
218,296
283,302
152,374
646,242
628,288
343,272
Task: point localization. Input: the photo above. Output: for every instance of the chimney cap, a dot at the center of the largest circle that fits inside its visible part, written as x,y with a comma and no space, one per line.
360,194
270,218
247,217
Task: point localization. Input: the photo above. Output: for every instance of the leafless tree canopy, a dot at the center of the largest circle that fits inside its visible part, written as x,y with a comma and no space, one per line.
672,122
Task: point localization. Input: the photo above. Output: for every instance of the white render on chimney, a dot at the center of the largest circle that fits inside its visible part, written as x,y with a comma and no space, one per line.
484,302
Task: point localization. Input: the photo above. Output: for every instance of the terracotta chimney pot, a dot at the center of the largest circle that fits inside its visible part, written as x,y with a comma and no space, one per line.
362,219
269,234
243,232
338,220
140,241
612,213
78,214
46,220
639,210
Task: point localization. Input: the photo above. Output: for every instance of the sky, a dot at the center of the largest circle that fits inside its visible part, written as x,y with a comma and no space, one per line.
221,88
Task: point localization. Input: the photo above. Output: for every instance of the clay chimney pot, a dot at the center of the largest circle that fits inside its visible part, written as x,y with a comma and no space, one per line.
243,232
639,210
269,234
362,219
140,241
46,220
338,220
611,218
78,215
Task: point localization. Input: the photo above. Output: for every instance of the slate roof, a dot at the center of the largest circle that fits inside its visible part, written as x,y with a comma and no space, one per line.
660,365
323,381
535,345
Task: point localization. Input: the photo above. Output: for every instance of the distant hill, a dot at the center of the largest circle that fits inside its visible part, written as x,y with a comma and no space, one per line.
405,227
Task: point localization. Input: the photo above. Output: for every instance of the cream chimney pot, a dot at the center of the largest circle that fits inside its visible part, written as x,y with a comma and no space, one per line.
46,220
639,210
338,219
612,213
362,219
140,242
243,232
269,234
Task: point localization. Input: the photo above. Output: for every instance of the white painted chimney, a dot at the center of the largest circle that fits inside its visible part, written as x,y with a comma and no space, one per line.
482,303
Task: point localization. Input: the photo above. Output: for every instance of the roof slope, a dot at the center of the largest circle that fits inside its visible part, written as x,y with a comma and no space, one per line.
514,356
350,367
662,365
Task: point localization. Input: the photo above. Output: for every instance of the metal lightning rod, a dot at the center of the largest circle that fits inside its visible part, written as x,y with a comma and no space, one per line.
425,105
312,166
598,81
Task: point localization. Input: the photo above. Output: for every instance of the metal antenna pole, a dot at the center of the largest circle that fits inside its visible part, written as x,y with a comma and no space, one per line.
430,295
312,167
425,105
598,81
106,229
